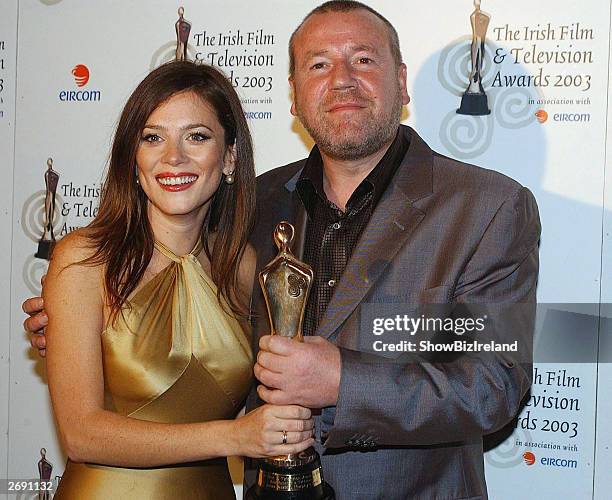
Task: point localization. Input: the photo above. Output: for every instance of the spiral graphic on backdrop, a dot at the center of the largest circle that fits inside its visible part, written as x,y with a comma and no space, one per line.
454,65
33,216
167,53
512,107
49,2
508,454
33,271
466,136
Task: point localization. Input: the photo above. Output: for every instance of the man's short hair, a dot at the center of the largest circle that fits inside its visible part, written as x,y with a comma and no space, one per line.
348,6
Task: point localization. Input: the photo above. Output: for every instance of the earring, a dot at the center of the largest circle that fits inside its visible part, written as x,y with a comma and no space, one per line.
136,171
229,178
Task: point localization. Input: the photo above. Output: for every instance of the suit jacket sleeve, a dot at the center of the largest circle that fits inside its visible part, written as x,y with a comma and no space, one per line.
383,403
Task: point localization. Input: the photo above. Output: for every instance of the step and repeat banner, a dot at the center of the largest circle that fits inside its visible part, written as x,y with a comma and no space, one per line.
67,68
8,53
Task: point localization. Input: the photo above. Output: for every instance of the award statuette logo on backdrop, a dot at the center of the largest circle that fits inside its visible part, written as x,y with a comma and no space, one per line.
286,283
47,242
177,49
44,476
474,101
182,27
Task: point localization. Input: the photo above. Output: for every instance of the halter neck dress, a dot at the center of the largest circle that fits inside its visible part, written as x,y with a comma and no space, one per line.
173,356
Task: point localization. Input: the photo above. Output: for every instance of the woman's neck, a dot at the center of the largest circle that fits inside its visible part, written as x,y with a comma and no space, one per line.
179,233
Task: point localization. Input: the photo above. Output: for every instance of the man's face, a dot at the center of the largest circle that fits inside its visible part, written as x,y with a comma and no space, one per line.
348,92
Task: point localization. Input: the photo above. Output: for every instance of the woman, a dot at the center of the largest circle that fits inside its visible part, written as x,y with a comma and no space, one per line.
148,364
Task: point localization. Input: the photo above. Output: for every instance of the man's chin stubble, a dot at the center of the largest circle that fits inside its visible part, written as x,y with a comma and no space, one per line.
353,146
356,146
350,150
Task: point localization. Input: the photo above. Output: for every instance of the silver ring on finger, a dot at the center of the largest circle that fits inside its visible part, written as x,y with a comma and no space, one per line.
284,437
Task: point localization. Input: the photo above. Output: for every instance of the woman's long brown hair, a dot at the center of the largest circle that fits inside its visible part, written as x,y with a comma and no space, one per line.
121,235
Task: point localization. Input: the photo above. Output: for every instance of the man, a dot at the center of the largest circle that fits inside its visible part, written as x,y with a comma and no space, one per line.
382,218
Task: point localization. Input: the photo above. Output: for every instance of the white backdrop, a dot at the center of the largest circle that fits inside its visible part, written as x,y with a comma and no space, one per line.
562,160
8,53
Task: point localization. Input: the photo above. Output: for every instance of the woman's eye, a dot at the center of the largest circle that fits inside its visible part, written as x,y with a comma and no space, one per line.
151,138
198,137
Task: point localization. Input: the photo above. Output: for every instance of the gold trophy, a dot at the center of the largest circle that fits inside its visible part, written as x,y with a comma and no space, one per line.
182,27
47,242
286,283
474,101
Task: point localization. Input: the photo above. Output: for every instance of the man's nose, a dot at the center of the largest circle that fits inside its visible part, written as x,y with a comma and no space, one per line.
343,76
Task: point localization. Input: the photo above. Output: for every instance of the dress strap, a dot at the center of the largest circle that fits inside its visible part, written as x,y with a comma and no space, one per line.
164,250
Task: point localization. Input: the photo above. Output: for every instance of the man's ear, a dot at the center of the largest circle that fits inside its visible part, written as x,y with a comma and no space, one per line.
292,85
402,75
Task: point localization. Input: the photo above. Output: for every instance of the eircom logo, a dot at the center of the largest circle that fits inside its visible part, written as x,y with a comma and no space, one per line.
541,115
529,458
81,77
559,462
81,74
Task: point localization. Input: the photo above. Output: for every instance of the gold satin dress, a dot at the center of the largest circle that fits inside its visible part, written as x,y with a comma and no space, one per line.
176,357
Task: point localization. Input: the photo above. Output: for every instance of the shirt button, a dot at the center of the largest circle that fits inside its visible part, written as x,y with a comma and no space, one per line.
336,225
331,283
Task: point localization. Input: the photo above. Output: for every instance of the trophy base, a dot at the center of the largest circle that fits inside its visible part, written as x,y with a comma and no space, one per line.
474,105
45,249
291,477
321,492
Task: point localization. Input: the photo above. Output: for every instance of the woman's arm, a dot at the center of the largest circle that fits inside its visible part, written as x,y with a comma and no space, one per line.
75,304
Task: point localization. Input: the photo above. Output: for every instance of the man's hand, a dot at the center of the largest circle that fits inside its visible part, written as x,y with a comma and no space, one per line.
306,374
36,323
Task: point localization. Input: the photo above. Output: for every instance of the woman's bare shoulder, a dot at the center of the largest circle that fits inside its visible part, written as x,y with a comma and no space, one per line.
73,249
71,279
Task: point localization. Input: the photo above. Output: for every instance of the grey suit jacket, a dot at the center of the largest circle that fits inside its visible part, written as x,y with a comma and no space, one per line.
443,232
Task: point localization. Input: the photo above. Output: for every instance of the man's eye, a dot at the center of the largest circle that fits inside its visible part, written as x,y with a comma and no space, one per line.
151,138
318,66
365,60
198,137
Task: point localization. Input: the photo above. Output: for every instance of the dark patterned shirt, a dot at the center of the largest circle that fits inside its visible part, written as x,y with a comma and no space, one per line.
331,234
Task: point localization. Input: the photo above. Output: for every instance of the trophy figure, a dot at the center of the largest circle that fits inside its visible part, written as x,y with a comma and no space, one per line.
286,283
44,474
183,27
47,242
474,100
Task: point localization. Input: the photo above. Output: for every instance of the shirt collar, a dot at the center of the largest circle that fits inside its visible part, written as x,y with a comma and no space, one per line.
310,183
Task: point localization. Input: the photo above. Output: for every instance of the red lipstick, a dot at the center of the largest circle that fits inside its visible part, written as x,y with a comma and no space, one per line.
176,182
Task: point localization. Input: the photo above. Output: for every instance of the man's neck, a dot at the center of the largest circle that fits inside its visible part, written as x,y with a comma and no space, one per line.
342,177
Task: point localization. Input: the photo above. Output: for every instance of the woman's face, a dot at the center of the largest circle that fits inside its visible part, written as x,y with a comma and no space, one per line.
181,156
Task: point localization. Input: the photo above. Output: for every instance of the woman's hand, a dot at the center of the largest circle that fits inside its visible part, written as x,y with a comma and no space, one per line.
260,433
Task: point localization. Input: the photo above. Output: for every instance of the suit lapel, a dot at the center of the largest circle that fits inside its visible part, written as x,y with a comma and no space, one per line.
297,217
283,206
393,221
